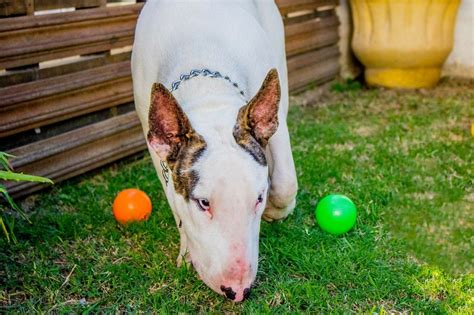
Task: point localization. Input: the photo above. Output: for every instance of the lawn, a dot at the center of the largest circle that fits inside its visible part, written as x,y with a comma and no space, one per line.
405,159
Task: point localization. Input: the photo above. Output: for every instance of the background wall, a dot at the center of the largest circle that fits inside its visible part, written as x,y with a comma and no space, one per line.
350,68
460,62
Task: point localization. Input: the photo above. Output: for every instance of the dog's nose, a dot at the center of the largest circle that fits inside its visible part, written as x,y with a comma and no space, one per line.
238,295
228,292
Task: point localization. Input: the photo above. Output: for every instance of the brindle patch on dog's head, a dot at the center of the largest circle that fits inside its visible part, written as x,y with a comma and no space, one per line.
243,136
185,178
258,120
174,140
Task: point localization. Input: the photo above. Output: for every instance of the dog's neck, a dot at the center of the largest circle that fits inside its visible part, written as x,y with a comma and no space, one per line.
205,73
209,94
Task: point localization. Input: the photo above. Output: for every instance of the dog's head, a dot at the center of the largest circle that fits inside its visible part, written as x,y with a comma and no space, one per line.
219,180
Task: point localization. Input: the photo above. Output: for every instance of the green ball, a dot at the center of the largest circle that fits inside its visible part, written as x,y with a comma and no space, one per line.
336,214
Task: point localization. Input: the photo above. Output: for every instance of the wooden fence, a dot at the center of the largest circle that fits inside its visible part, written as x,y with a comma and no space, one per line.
65,85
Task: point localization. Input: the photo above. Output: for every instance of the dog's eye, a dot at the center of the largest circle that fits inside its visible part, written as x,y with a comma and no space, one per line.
260,198
203,204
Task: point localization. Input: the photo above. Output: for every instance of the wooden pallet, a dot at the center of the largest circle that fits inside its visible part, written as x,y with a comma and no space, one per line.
65,87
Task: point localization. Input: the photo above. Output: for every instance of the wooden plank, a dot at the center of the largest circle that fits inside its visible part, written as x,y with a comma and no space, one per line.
288,6
72,105
12,7
27,40
311,40
309,15
314,25
82,49
80,159
316,73
23,7
65,98
14,96
56,4
38,150
312,57
84,63
59,19
311,34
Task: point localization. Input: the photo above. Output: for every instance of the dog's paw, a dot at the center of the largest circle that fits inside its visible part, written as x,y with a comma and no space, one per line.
183,258
273,213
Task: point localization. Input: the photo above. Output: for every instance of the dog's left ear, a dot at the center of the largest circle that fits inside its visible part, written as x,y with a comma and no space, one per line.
260,115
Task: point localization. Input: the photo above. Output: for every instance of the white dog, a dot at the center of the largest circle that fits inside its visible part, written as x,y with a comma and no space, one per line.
211,90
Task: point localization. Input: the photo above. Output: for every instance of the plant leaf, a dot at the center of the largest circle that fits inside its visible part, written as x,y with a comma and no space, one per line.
4,228
4,160
8,175
12,203
11,227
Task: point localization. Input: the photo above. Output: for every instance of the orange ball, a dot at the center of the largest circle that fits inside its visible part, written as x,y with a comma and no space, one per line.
131,205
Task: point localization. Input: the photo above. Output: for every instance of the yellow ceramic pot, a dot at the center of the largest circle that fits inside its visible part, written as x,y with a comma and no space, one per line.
403,43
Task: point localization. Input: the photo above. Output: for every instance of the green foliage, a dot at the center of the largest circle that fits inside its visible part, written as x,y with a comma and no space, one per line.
346,86
9,175
405,159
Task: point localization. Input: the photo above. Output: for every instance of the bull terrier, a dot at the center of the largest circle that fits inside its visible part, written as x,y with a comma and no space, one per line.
211,91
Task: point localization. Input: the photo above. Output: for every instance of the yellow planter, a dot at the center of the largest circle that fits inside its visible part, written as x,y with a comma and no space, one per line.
403,43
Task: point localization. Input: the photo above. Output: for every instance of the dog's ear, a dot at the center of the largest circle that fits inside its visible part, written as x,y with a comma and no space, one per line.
169,126
260,115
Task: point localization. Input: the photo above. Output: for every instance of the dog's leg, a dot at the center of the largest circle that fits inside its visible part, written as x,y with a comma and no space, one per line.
283,182
183,255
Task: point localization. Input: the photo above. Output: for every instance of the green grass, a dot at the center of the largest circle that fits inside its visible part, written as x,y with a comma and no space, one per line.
405,158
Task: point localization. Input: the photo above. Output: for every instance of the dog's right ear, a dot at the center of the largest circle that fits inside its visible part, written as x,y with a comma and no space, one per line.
169,126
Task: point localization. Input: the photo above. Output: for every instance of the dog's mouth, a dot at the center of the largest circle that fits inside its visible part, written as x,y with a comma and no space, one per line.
204,277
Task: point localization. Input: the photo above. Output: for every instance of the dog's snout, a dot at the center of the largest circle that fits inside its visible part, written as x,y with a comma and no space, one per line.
228,292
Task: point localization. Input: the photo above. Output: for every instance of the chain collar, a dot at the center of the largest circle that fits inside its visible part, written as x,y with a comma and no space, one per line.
206,73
